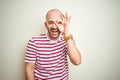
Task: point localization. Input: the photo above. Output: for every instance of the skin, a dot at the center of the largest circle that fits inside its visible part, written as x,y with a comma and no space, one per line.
57,23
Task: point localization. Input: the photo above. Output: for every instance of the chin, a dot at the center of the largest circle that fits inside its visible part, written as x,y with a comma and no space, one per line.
55,36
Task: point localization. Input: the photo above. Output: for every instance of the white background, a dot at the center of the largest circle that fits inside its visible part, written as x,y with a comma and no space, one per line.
95,25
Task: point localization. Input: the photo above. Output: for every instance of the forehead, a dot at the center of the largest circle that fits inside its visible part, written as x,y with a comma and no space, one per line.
54,16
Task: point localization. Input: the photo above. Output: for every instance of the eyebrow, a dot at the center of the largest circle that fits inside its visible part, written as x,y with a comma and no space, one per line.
50,21
56,21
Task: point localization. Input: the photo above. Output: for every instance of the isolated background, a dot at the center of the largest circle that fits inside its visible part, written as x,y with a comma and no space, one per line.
95,25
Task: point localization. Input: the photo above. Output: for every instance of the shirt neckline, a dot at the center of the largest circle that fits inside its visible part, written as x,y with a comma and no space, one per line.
54,41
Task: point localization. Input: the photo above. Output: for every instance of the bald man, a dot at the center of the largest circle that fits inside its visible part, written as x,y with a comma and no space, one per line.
46,54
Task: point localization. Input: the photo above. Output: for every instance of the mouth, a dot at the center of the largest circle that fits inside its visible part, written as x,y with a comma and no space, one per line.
54,31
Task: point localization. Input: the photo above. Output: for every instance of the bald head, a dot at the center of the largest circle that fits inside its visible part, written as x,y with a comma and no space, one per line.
53,12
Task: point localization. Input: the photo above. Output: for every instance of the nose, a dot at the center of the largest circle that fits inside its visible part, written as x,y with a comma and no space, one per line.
55,25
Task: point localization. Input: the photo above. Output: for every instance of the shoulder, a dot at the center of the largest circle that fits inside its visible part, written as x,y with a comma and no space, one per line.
38,37
41,36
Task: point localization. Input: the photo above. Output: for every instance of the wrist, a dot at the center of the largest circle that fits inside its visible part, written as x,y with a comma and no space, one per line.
68,37
66,32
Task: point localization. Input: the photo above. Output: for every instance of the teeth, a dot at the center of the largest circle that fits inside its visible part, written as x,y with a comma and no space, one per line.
54,30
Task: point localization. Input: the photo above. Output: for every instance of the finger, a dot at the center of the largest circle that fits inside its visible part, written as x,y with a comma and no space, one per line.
66,15
61,29
62,16
56,24
69,18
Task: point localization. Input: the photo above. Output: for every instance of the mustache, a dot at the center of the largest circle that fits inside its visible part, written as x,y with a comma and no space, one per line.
54,29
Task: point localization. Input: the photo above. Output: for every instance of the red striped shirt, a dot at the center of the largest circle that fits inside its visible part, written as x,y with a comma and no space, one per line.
50,57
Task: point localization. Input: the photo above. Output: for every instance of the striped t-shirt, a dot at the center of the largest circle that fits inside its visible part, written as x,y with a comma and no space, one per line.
50,57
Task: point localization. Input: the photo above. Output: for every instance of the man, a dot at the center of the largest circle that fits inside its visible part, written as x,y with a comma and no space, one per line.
46,54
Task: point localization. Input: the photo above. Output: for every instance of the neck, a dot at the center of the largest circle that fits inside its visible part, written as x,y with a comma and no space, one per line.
52,38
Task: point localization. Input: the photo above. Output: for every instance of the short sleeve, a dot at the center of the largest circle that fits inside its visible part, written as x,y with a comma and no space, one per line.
30,55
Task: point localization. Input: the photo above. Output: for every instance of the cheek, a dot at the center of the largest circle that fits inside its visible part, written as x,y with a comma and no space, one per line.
48,27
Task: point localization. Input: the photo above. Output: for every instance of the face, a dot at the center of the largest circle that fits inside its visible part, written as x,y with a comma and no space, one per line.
53,22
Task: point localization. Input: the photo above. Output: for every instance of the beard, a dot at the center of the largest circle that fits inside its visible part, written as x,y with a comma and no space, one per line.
53,33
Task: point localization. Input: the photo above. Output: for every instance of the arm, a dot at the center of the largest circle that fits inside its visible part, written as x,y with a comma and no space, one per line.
29,70
73,52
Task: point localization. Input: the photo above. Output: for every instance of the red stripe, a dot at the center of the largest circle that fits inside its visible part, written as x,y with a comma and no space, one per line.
43,45
50,50
41,40
47,60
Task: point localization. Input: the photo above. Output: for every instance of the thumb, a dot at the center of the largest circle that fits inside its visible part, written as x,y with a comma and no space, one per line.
61,28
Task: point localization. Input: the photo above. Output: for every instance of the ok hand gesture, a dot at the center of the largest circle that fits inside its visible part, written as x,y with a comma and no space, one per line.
65,24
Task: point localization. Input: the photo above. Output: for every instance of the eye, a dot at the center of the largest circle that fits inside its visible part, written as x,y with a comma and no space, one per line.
50,22
60,22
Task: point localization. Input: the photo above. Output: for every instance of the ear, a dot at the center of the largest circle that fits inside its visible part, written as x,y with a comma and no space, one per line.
45,24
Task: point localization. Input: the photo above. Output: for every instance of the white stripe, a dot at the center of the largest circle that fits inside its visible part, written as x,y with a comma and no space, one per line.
31,42
39,76
41,72
51,54
57,57
31,46
53,49
31,54
63,74
47,56
27,58
30,61
49,62
48,44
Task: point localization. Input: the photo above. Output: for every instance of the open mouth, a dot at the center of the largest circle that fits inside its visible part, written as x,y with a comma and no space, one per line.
54,31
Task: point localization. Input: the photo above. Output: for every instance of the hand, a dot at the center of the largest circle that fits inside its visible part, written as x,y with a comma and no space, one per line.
65,24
